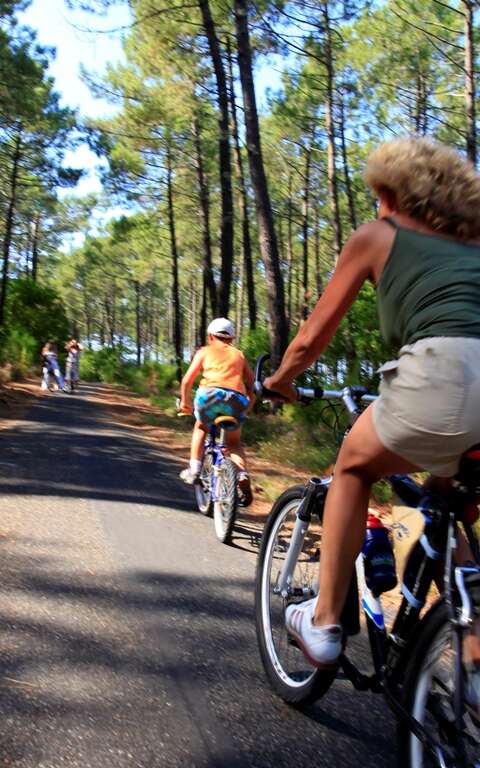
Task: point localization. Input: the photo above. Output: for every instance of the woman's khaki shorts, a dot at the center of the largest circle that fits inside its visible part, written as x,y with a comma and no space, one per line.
428,411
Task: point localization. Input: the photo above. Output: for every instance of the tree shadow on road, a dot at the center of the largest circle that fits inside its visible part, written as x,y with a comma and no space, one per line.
78,647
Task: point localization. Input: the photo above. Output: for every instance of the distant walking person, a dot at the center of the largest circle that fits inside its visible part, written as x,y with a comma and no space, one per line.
72,375
50,366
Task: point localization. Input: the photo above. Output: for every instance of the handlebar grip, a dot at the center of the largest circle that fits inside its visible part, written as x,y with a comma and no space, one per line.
270,394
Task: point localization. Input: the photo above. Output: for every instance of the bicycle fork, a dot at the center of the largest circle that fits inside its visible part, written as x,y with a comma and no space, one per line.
315,492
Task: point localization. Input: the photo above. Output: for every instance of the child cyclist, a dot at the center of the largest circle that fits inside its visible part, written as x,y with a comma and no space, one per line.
50,366
226,388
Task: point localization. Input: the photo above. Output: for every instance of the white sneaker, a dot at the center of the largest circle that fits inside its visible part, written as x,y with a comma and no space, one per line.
188,476
321,645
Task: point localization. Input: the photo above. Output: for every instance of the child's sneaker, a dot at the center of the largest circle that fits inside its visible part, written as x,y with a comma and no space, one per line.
189,477
245,495
322,646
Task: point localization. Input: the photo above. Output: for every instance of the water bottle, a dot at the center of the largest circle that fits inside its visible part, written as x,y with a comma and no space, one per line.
379,560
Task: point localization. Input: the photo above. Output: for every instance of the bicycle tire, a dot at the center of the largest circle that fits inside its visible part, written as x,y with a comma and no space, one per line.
202,490
225,509
313,682
426,669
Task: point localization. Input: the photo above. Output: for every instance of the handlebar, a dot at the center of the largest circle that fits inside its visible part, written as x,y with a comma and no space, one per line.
351,396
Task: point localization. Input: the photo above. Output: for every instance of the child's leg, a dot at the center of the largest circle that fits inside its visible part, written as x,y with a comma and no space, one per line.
236,450
237,455
196,448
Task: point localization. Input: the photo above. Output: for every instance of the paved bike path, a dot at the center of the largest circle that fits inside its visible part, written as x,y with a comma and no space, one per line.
126,630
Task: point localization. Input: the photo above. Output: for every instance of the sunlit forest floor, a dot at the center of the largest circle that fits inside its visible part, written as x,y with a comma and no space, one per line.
15,398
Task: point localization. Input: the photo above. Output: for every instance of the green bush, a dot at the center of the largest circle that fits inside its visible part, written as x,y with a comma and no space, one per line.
20,350
33,315
101,365
255,343
150,378
109,365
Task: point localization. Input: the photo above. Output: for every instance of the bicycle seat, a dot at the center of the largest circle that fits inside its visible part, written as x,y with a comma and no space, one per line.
226,422
469,469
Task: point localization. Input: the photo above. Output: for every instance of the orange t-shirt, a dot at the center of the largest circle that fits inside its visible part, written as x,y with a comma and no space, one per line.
223,366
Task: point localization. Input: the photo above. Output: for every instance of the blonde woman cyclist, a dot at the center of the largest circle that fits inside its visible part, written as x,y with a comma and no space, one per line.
423,255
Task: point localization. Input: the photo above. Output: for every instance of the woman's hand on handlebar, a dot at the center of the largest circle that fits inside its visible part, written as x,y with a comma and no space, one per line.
286,389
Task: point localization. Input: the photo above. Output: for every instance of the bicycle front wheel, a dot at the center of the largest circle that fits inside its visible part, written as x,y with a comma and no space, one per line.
203,489
429,692
225,505
290,674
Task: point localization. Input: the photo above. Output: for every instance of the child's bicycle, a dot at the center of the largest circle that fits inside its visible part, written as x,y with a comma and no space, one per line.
420,666
216,490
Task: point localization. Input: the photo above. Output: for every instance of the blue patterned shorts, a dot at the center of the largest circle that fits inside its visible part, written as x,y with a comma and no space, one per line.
211,402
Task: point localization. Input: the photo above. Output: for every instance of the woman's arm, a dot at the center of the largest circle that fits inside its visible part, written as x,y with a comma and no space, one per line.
188,380
354,267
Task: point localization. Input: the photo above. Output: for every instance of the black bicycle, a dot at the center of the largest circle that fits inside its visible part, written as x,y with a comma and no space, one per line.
420,664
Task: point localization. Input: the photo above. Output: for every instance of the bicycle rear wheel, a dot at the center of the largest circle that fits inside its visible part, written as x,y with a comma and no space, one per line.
429,696
225,507
203,489
290,674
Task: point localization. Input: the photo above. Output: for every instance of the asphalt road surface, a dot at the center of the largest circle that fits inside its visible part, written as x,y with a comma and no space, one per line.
126,630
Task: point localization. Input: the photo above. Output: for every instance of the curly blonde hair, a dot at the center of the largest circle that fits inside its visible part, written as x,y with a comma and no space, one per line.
430,182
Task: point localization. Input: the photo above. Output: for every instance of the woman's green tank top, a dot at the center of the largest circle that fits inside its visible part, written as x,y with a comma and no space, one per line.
430,286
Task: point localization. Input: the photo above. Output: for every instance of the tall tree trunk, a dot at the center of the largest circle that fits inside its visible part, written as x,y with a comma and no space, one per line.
470,94
138,322
268,240
346,170
113,313
35,244
240,301
177,322
101,330
318,274
289,250
205,215
420,115
247,266
193,317
329,123
202,331
88,319
226,234
305,212
7,238
28,249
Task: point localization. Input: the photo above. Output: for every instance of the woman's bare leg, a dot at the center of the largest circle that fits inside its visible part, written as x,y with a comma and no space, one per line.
362,460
